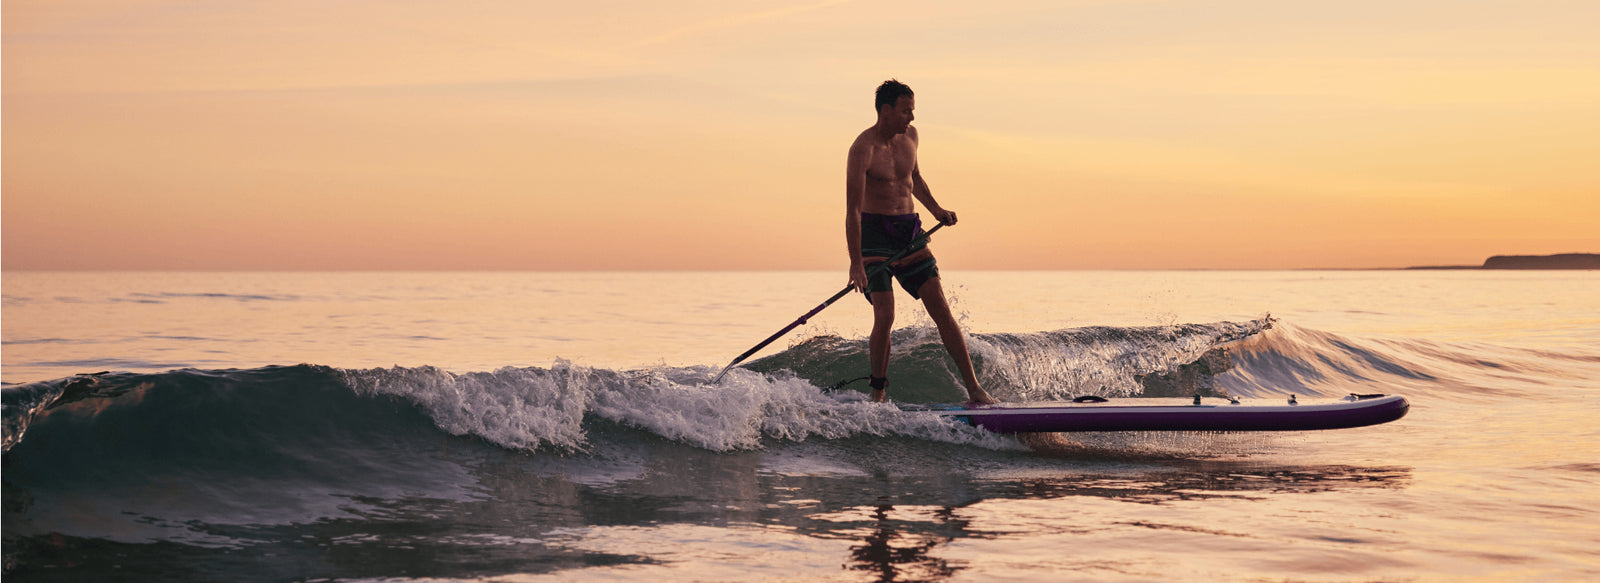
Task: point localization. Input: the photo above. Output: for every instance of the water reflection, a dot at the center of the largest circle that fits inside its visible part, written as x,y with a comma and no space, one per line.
1209,481
906,542
883,510
894,552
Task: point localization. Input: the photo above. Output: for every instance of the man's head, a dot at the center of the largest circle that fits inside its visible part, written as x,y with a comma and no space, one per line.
895,103
889,93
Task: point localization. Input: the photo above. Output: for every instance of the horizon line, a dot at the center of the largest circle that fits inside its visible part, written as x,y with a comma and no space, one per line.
753,270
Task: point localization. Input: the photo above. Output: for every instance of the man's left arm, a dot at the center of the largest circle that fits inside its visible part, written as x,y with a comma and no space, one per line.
919,189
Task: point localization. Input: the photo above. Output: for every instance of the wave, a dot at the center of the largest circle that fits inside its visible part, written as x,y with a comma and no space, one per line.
300,444
1037,366
1294,360
277,415
561,407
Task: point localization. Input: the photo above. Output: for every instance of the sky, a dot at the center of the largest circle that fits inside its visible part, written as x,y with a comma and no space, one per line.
711,135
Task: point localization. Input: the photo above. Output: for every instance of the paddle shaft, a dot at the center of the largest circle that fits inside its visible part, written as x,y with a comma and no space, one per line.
871,270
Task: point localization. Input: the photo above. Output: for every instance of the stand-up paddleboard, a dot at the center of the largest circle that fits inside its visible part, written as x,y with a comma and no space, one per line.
1195,414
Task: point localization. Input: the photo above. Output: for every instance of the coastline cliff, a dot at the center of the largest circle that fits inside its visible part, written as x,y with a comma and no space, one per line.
1558,261
1562,261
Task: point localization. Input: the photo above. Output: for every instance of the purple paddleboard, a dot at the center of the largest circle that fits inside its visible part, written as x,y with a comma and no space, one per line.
1193,414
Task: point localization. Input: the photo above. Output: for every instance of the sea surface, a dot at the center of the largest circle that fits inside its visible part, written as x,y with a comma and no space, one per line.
561,427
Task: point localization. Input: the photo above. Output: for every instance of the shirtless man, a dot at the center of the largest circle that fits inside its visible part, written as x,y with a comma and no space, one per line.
882,178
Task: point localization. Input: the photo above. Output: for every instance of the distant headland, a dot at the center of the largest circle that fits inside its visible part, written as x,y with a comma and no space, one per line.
1560,261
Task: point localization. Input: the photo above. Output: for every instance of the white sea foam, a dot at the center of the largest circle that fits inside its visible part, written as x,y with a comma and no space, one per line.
512,407
1045,366
529,408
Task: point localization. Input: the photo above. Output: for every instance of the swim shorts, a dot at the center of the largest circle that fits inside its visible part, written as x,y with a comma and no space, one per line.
886,235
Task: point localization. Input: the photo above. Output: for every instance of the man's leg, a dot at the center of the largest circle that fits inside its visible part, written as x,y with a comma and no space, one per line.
878,344
950,332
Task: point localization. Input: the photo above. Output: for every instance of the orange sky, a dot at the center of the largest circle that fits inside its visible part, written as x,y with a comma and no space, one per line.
365,134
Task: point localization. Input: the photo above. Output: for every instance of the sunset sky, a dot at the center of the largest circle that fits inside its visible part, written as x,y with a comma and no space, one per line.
469,134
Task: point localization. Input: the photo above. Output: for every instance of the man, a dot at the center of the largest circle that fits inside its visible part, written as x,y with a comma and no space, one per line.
882,178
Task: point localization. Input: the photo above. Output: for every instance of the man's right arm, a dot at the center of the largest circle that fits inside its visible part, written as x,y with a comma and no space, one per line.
855,189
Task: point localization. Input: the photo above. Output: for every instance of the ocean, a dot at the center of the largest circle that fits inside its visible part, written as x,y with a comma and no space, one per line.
376,426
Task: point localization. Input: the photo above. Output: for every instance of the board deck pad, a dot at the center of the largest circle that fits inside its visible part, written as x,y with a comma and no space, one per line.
1188,414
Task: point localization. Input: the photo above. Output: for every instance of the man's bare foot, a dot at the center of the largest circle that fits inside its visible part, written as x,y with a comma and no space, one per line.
879,395
980,396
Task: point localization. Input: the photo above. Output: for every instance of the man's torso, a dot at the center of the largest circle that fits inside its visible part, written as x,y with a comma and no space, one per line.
889,174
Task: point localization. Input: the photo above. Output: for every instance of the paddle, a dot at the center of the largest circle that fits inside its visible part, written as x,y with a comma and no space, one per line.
871,269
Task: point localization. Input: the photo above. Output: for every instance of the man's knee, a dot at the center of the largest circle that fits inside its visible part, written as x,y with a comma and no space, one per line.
883,309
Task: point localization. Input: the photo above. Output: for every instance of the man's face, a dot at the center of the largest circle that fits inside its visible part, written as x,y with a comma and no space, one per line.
900,116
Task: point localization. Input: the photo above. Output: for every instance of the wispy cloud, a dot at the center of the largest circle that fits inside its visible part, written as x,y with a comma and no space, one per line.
729,22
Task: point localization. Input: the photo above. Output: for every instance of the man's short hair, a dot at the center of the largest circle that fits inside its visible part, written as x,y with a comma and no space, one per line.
889,93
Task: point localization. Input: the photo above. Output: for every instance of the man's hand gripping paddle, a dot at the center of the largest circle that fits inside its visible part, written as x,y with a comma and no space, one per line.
871,270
